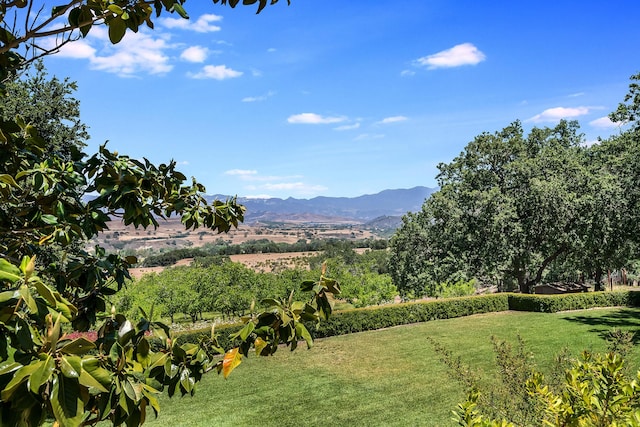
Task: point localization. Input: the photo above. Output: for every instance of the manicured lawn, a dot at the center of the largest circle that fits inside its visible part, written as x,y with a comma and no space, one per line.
390,377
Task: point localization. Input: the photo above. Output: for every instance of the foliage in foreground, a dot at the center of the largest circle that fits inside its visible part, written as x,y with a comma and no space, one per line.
46,373
595,392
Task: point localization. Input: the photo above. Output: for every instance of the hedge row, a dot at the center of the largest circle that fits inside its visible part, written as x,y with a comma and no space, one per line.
579,301
378,317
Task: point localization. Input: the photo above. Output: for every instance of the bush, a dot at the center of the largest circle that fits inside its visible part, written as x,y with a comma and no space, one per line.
579,301
378,317
371,318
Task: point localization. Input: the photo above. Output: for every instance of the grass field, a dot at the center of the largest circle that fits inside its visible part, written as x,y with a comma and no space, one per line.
390,377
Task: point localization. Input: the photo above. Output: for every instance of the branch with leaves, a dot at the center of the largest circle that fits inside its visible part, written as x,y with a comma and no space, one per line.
72,20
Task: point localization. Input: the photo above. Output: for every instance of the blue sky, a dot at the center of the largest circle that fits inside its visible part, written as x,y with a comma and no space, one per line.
344,98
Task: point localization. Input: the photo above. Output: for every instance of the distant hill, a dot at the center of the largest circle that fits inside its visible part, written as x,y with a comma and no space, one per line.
361,209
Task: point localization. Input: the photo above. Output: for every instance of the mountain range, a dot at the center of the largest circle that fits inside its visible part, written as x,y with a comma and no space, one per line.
361,209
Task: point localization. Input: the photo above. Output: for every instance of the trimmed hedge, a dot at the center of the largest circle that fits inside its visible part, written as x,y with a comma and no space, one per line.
378,317
371,318
579,301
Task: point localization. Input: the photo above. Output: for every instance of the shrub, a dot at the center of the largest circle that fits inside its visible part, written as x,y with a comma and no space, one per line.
579,301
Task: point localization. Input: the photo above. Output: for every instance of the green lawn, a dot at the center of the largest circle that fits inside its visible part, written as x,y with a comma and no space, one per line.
388,377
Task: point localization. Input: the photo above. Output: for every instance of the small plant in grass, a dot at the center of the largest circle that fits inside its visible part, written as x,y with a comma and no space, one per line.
510,399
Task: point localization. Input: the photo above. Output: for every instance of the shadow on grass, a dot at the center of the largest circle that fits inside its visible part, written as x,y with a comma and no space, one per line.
624,319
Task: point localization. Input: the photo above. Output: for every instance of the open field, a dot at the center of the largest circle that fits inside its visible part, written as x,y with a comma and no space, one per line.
389,377
171,234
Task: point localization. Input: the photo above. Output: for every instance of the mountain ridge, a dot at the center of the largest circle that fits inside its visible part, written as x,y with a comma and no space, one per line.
391,202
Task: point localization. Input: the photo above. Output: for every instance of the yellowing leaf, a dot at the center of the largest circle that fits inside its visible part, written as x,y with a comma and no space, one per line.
231,360
260,345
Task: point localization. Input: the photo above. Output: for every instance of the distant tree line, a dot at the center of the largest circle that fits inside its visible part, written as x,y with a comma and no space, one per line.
222,248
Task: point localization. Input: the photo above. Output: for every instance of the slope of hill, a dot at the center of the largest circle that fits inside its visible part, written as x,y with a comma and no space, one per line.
359,209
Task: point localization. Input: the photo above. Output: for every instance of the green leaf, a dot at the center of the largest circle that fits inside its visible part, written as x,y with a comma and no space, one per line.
117,29
45,292
115,9
8,271
187,382
178,8
78,346
25,294
8,296
94,375
41,375
245,332
8,179
302,331
71,366
19,377
49,219
67,406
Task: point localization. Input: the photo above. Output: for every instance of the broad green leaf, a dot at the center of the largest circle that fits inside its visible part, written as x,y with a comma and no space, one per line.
178,8
8,271
302,331
25,294
78,346
67,406
245,331
186,381
131,389
8,296
94,375
49,219
150,393
117,29
232,359
41,375
19,377
9,366
115,9
158,360
45,292
71,366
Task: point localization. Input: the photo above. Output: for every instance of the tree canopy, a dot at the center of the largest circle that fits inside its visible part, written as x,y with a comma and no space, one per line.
512,209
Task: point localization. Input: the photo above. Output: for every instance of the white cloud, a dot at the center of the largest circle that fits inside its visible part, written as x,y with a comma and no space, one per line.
271,50
258,98
201,25
604,123
137,53
347,127
576,95
459,55
407,73
263,186
558,113
314,119
195,54
217,72
393,119
78,50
